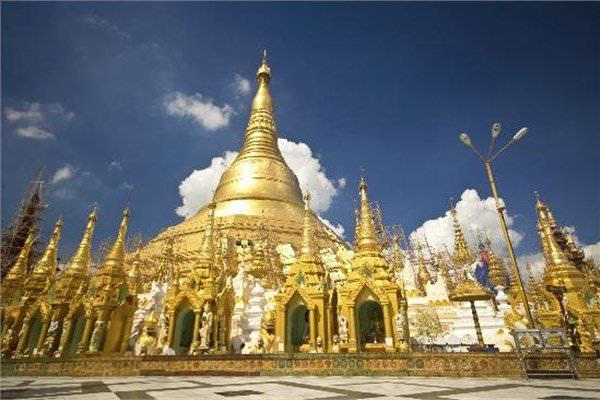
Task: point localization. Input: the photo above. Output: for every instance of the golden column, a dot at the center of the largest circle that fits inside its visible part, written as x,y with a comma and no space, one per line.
85,339
487,162
194,346
171,329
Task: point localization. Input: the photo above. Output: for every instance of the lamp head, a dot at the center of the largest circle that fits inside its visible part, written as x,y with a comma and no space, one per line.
465,139
522,132
496,130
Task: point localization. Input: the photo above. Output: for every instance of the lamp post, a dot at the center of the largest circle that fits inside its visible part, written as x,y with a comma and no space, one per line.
487,163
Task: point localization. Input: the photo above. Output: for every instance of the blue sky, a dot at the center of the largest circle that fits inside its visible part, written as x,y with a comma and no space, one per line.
387,87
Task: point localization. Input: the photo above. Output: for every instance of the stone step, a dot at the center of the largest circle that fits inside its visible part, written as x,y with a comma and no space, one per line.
540,374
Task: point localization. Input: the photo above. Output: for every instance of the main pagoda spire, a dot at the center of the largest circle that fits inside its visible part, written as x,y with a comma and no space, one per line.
259,171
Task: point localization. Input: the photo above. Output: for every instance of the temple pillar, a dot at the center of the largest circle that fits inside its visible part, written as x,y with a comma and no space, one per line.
194,345
171,329
352,340
85,339
280,329
406,330
387,324
313,328
65,337
215,332
125,335
328,328
23,337
40,342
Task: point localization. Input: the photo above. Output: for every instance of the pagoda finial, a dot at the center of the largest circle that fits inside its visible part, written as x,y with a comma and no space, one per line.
264,72
117,252
82,259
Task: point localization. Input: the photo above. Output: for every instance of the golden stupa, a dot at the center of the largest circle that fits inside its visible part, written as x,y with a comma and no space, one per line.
257,192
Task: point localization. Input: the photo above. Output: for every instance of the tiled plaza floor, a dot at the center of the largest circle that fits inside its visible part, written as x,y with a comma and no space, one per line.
296,388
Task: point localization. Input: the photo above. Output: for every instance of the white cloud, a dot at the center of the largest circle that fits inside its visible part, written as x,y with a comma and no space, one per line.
338,229
342,183
126,186
95,20
63,174
593,251
34,132
65,193
310,173
202,110
475,215
30,113
241,85
536,263
34,120
115,165
196,190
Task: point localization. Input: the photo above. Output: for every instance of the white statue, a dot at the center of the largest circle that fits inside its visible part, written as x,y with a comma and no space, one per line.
343,329
206,326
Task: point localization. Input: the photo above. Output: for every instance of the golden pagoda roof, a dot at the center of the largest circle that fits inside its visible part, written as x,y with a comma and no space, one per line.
18,271
469,290
77,270
45,268
111,273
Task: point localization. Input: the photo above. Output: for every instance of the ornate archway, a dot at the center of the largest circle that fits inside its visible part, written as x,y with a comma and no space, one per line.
184,330
298,332
34,332
78,321
371,325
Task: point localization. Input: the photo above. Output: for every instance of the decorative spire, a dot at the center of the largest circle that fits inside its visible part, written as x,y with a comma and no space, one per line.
48,263
557,261
496,268
424,275
308,248
134,273
462,253
397,254
117,252
262,99
207,251
19,269
82,259
366,240
111,273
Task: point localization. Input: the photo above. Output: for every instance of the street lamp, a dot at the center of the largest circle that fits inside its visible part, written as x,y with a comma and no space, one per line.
487,163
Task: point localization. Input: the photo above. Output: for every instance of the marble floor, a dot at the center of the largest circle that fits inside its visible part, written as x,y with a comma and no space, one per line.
295,388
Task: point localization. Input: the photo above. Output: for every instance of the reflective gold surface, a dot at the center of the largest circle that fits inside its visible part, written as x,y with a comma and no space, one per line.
258,187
